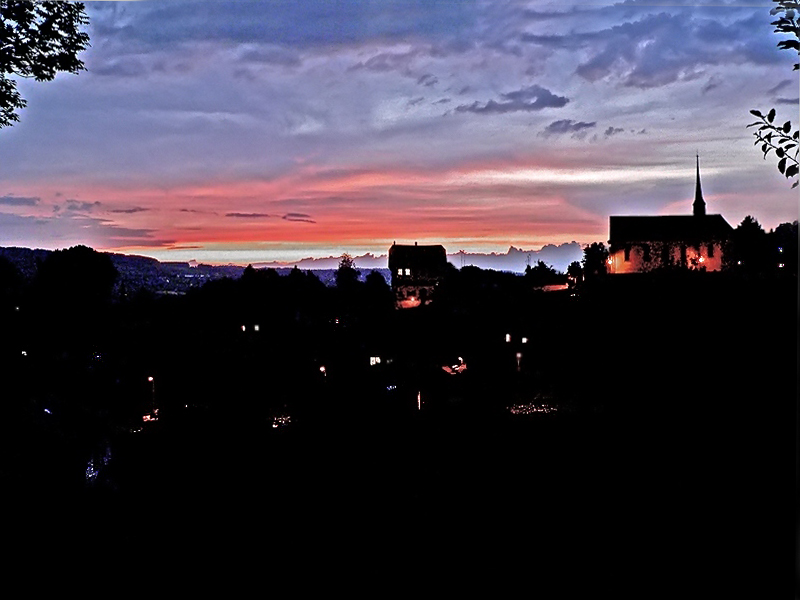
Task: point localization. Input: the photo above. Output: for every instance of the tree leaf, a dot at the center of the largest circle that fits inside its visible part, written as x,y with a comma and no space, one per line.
787,127
756,113
782,164
791,171
779,153
771,115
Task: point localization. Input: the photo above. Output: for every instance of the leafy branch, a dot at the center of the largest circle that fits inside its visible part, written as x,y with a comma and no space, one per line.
780,139
787,24
771,136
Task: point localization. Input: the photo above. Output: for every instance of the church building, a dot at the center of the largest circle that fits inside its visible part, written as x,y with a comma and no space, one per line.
641,244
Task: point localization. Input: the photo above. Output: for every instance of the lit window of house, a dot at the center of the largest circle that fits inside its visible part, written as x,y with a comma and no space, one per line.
399,271
408,271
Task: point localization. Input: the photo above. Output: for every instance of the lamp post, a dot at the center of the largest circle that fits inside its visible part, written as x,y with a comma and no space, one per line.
154,410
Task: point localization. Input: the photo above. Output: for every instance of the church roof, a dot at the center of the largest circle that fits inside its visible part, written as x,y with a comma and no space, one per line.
671,228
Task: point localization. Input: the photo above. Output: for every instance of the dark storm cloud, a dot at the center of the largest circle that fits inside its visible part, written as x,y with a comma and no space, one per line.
613,131
527,99
567,126
19,201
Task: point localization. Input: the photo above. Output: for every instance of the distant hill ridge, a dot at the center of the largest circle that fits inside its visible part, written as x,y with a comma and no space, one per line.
137,272
514,260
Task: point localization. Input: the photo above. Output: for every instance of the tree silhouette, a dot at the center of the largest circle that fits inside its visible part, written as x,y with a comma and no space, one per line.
346,274
771,136
541,274
37,40
575,273
750,247
78,276
594,260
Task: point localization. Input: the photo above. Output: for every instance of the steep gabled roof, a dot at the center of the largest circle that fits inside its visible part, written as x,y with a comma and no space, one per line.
671,228
428,258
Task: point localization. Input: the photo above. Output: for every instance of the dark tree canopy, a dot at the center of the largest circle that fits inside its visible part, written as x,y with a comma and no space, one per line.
594,260
37,40
346,274
77,275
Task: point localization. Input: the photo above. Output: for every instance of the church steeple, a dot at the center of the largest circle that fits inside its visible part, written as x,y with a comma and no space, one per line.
699,205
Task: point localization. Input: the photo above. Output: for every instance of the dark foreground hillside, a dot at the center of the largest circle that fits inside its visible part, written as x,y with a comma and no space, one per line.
645,436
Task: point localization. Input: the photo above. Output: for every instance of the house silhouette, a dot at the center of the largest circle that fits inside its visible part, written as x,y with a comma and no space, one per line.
416,273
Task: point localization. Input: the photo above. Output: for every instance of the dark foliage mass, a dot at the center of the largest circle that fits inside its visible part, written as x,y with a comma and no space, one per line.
297,414
37,41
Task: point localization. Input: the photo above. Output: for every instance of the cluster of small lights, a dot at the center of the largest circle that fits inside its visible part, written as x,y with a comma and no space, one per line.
91,472
531,408
281,421
391,388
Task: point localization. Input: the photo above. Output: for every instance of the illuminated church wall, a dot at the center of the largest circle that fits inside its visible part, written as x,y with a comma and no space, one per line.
644,257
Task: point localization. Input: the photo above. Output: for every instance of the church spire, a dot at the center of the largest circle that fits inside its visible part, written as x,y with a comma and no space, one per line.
699,206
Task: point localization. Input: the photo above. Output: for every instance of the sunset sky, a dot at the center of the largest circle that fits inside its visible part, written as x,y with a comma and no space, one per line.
255,131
